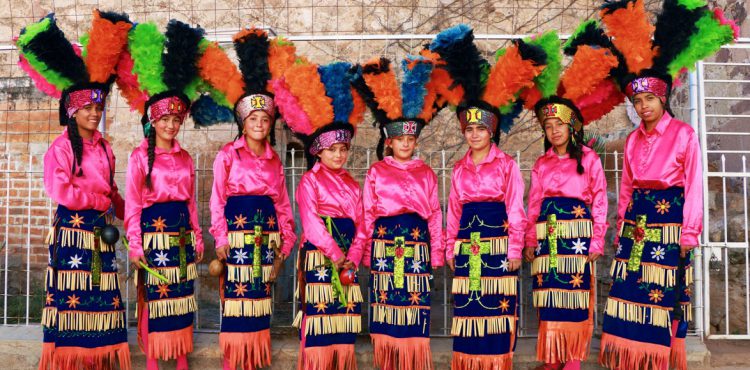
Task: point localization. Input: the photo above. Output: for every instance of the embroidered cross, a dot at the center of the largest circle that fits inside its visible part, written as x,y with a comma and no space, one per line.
552,240
473,115
183,255
96,258
640,234
410,128
399,251
475,250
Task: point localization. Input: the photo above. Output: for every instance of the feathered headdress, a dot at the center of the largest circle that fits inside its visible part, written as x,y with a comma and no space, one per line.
319,104
158,75
399,108
484,93
583,91
248,88
685,32
61,70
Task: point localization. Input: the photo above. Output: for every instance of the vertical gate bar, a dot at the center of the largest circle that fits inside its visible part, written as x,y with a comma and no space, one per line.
28,238
701,265
7,223
725,249
293,201
443,176
695,109
747,269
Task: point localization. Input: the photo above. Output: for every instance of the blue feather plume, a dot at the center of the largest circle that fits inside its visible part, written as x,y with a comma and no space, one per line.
335,78
413,88
509,113
206,112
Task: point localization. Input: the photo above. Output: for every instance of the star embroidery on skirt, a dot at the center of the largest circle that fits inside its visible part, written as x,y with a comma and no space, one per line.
579,246
240,289
539,280
577,280
656,295
414,299
381,264
49,299
161,258
662,206
239,256
321,273
381,231
73,301
116,302
415,233
268,288
75,261
163,290
579,211
271,222
416,266
159,224
350,306
505,304
76,220
240,221
383,296
506,225
269,255
504,264
321,306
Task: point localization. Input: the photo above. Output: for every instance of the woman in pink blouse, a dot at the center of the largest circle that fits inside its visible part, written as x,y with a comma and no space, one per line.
403,234
568,203
161,220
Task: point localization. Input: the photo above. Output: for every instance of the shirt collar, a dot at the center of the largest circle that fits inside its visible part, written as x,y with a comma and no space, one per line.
175,147
493,154
242,143
93,141
413,163
551,153
661,126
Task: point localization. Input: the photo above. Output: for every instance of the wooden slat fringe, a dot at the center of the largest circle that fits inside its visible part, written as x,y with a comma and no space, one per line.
421,252
382,280
619,269
73,280
314,260
559,298
49,316
244,273
687,311
108,281
633,312
82,239
50,238
395,315
49,277
656,274
506,285
573,264
90,321
171,307
318,292
247,307
236,239
160,241
417,282
378,250
481,326
353,293
332,324
172,274
567,229
297,323
689,275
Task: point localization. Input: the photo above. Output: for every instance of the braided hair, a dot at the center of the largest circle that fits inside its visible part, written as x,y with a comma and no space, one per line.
76,143
151,137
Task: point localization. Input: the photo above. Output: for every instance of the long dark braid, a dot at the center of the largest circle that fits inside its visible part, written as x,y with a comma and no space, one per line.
76,142
151,156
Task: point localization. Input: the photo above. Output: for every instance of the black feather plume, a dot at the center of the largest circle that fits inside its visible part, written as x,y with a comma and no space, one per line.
531,52
252,52
674,25
358,82
462,57
54,50
182,52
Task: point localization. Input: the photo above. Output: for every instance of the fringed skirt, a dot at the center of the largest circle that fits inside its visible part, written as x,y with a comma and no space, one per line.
167,307
254,242
485,292
400,293
330,316
84,317
562,281
650,296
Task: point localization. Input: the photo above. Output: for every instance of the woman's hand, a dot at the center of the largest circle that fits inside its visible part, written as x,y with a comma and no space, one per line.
515,264
136,262
528,254
221,253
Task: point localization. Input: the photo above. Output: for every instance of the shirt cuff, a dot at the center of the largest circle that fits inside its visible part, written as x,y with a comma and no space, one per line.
221,242
135,251
689,237
336,254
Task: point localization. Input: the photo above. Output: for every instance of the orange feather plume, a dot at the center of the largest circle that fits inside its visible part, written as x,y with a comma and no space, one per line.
382,81
530,97
218,70
304,83
510,74
442,82
358,112
631,31
281,56
590,66
106,41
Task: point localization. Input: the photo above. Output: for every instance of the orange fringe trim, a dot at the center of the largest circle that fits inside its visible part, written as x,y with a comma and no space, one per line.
678,354
48,349
621,353
246,350
401,353
559,342
168,345
463,361
337,356
74,358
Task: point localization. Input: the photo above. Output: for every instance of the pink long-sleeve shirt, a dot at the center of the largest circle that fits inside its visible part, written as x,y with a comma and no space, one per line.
173,180
496,178
334,193
90,191
393,188
556,176
667,156
239,171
